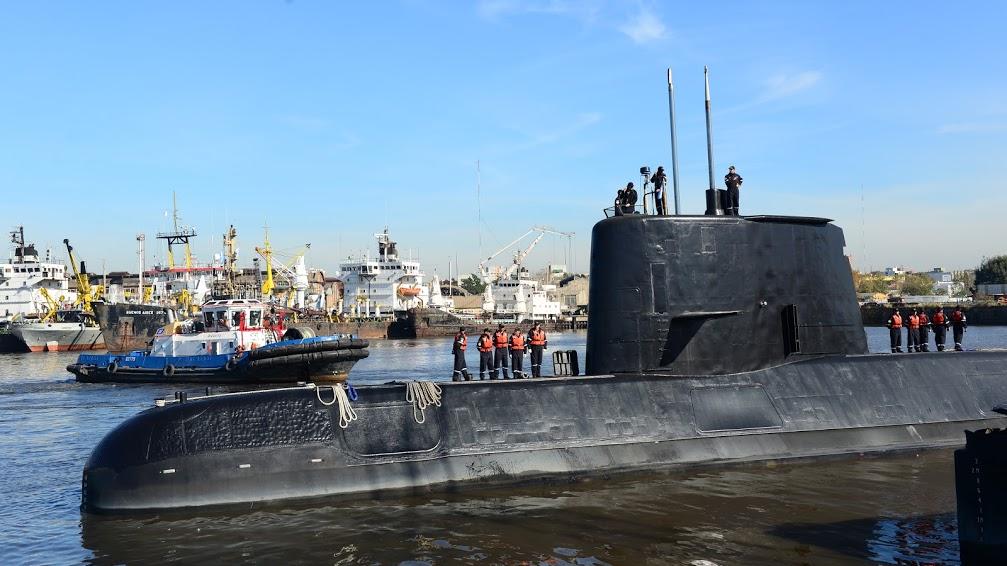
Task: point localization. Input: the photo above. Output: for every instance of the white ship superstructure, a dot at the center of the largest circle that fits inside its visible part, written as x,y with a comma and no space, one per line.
24,276
520,299
380,286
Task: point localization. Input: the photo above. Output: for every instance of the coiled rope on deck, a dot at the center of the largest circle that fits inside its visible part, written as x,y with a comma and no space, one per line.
422,394
346,412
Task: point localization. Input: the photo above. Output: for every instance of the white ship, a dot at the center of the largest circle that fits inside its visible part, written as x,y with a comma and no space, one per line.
376,287
64,330
510,294
24,276
520,299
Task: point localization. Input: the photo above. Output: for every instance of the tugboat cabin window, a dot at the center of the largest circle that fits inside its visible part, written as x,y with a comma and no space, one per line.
221,318
255,319
208,316
235,319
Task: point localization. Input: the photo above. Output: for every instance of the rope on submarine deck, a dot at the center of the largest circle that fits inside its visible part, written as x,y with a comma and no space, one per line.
422,394
346,412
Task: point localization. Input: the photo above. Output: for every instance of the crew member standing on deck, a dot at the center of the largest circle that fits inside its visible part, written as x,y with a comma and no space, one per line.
485,347
958,326
924,344
895,331
940,329
538,343
733,182
500,340
517,354
914,333
660,180
461,368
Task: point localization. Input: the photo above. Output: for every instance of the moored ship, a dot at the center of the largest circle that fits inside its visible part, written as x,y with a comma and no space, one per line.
127,326
65,331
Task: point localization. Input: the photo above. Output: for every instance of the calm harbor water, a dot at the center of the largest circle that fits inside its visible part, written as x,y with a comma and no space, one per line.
890,510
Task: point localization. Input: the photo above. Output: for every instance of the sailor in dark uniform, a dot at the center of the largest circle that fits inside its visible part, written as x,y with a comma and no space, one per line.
733,182
895,331
958,326
461,342
660,180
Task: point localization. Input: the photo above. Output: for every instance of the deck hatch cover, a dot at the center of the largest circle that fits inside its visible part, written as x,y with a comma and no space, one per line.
739,407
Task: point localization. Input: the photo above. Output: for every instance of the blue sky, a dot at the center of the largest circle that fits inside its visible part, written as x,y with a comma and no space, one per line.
330,120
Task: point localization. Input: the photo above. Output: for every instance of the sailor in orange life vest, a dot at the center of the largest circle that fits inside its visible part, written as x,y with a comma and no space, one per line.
895,331
501,341
940,324
958,324
517,354
913,332
924,345
485,347
461,368
537,341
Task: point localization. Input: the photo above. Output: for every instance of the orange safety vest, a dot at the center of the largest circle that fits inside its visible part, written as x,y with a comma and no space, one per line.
461,341
914,321
924,320
517,342
485,344
939,318
537,337
896,321
957,316
500,338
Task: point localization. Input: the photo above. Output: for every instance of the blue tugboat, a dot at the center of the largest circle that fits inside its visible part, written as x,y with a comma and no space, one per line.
236,341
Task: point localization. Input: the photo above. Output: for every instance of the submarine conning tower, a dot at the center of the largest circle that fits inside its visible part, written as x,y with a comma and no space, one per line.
710,295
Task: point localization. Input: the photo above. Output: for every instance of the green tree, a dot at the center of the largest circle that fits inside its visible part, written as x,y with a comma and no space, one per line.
473,284
966,282
870,284
917,284
992,271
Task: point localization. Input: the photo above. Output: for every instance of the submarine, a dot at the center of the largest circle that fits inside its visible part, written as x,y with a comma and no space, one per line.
712,339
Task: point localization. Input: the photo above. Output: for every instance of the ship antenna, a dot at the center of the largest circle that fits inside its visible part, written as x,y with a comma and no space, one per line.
709,128
674,141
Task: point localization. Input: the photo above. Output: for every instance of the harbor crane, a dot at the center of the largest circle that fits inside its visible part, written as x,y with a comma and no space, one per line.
296,276
86,294
520,255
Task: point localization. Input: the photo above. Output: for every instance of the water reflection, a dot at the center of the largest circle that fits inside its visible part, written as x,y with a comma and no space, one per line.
893,510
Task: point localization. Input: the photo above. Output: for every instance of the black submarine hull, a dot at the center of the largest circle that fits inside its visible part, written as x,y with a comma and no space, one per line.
286,444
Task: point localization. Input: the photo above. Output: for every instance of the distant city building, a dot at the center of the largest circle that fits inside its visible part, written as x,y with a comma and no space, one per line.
896,271
944,281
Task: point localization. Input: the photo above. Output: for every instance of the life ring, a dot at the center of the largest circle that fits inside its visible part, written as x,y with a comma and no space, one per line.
231,364
112,367
169,370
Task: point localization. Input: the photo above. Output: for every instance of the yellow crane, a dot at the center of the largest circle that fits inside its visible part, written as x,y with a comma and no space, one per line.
86,294
52,304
